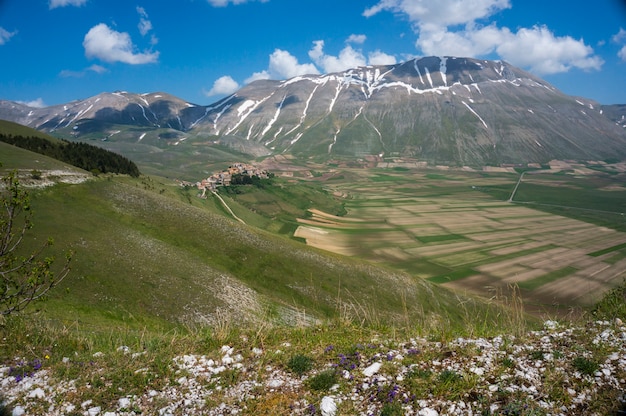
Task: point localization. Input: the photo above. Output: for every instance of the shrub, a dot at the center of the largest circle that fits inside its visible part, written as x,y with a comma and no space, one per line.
300,364
323,381
585,365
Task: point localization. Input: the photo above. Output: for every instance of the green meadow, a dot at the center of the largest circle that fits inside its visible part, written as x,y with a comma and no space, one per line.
457,229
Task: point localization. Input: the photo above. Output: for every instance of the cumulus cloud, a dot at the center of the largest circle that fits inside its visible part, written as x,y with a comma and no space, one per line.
37,103
453,27
108,45
538,49
360,39
380,58
53,4
225,85
5,35
620,38
442,12
348,58
284,65
224,3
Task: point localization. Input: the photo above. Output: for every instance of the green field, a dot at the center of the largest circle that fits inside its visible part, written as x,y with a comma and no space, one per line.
456,229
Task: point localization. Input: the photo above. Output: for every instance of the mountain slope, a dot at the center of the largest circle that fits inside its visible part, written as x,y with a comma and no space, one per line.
144,254
457,111
460,111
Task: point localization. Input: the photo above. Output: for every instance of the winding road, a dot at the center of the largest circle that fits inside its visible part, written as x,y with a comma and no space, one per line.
228,208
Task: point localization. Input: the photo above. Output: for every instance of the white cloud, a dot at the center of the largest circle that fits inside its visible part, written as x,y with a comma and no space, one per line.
53,4
380,58
37,103
5,35
347,58
436,25
224,3
111,46
442,12
620,38
257,76
538,49
98,69
477,42
145,25
360,39
225,85
284,65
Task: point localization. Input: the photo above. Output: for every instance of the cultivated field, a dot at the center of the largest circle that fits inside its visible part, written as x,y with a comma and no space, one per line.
451,228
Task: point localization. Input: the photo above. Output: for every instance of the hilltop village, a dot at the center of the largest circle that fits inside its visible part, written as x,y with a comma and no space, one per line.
236,174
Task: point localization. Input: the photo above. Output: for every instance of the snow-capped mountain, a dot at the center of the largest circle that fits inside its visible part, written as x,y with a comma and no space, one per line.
441,109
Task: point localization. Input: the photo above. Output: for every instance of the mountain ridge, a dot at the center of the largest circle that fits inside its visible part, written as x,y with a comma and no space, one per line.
450,110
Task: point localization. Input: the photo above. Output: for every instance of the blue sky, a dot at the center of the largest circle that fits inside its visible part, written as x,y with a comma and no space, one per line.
55,51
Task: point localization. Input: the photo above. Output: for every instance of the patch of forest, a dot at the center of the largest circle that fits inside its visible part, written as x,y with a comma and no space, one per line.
82,155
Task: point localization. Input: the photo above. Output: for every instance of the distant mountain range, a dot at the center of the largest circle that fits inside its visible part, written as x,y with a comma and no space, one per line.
443,110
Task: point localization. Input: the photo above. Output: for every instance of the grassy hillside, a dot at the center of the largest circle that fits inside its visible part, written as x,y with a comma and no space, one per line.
15,129
145,255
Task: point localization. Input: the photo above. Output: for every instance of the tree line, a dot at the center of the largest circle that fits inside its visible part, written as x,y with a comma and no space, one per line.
82,155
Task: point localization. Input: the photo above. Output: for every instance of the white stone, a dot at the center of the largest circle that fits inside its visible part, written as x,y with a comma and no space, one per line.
93,411
123,403
18,411
275,383
328,406
37,393
372,369
428,412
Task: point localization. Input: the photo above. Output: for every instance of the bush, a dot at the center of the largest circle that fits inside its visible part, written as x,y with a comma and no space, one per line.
585,365
300,364
323,381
